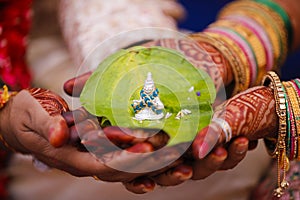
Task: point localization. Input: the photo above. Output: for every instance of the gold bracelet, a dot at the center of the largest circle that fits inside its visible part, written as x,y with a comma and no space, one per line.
255,44
240,68
239,76
295,109
240,8
272,80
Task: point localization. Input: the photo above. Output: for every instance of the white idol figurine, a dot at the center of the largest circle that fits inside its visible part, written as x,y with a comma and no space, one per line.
149,106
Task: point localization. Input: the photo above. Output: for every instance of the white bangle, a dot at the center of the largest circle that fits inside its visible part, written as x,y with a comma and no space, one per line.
225,128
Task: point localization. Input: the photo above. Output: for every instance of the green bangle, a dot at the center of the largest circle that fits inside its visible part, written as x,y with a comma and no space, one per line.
288,122
285,17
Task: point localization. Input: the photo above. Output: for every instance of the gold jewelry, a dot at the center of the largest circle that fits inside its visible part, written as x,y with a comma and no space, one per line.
240,78
278,22
295,109
239,7
253,40
226,129
239,65
272,80
294,98
96,178
4,96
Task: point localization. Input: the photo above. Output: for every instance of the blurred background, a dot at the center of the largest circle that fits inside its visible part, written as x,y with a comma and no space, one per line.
202,13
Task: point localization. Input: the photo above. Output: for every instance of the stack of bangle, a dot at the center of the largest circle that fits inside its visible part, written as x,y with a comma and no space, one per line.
257,33
286,147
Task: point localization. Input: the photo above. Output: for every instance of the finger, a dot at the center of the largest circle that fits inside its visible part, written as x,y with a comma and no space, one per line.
57,131
80,129
77,116
250,114
127,136
125,161
77,163
97,143
42,114
74,86
210,164
206,140
236,152
141,148
252,145
140,185
159,161
174,176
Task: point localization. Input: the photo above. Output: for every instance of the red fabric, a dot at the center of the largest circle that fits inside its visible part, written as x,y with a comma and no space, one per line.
15,21
14,27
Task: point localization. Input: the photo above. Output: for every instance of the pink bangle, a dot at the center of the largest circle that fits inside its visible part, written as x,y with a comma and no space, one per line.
297,88
242,44
292,131
259,32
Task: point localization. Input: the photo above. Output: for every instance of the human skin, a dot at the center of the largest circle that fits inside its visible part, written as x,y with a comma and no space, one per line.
249,102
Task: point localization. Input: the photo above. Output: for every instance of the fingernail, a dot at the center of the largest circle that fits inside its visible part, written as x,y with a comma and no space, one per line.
58,135
146,185
220,154
183,176
203,150
148,188
241,148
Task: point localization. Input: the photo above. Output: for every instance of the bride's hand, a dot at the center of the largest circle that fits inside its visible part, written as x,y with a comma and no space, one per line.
250,115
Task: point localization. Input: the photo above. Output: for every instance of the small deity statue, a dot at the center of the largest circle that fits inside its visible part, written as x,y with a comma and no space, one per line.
149,106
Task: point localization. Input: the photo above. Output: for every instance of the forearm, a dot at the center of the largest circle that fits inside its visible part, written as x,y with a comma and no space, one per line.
96,21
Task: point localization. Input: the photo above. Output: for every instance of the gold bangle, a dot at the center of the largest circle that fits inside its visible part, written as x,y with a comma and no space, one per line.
292,96
240,8
279,23
240,68
255,44
272,80
234,64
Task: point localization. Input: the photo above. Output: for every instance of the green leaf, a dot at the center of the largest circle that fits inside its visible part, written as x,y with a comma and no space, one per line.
117,81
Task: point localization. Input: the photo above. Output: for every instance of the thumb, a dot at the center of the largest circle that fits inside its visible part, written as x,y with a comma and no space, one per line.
251,114
34,109
56,130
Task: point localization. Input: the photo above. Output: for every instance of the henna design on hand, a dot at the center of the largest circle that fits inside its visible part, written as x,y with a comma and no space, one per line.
251,113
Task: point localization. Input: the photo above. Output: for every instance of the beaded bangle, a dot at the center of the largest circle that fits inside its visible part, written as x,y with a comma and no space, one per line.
292,94
296,85
272,80
241,73
289,114
227,53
